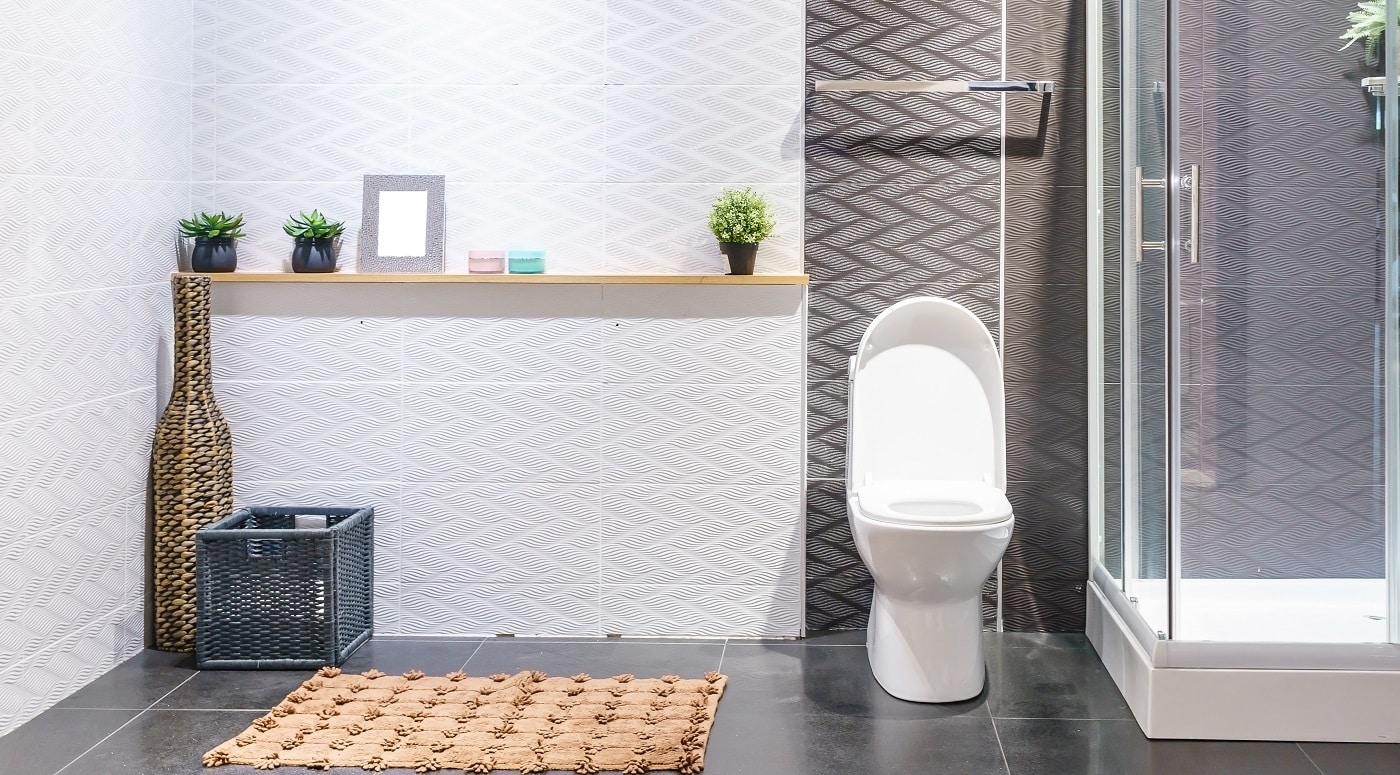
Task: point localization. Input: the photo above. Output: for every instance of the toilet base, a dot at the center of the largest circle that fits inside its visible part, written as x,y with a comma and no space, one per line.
924,652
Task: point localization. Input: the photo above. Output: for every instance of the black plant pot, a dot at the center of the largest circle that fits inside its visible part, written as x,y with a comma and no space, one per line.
741,256
313,255
214,254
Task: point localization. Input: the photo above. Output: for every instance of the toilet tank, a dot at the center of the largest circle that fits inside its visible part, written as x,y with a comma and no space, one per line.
926,398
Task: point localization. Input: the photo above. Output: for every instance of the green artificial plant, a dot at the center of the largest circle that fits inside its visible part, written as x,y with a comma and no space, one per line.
313,226
213,226
1368,27
742,216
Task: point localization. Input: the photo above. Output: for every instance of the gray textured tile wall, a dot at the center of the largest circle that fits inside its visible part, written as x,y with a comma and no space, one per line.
904,197
1046,312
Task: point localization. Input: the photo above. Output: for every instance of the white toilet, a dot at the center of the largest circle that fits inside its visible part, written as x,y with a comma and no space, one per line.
926,481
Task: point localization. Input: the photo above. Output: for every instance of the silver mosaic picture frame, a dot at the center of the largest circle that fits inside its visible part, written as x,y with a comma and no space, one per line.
435,260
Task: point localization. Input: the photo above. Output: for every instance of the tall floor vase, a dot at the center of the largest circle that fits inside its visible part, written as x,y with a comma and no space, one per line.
192,466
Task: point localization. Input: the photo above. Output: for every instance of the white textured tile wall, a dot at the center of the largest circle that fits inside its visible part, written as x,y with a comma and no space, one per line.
550,460
571,460
599,130
95,130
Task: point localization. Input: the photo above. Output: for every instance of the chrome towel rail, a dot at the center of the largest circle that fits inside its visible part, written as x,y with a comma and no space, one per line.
950,87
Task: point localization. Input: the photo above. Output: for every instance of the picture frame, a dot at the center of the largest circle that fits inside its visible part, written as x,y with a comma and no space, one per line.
403,229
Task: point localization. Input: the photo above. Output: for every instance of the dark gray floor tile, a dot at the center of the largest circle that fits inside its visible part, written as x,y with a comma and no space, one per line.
55,738
1052,747
744,743
803,707
644,660
1044,747
1201,757
1355,758
434,657
1037,640
1051,683
135,683
235,689
820,680
165,742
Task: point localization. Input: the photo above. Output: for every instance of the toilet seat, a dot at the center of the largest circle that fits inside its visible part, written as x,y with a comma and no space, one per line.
933,503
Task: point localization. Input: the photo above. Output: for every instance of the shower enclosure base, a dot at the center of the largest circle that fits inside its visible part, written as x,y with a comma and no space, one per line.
1271,610
1245,691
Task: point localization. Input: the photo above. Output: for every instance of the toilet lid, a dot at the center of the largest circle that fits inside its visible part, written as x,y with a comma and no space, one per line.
932,503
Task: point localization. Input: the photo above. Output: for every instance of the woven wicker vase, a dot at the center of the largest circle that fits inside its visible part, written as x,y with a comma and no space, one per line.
191,464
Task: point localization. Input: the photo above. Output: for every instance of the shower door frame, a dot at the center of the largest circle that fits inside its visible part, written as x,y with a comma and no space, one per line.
1217,689
1391,106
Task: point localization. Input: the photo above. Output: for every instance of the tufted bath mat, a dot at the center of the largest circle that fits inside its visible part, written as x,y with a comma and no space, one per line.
527,722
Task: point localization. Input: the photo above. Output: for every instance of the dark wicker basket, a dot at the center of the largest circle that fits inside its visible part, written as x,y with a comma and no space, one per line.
271,596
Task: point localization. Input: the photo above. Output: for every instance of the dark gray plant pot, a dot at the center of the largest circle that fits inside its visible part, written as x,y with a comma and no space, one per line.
313,255
214,254
741,256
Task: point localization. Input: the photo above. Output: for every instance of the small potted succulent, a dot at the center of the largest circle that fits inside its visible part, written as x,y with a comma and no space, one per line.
740,219
214,235
314,237
1368,28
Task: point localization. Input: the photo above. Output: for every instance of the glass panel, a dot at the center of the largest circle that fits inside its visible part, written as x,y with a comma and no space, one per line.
1391,280
1108,516
1144,325
1282,330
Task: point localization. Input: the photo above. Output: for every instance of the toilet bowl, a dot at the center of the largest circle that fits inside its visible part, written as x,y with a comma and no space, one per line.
926,480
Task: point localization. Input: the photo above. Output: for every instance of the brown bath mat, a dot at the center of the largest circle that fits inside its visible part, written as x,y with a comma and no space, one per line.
527,722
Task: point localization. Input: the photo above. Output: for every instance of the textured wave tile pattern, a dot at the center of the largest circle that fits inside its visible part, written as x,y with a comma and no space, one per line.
905,196
547,460
543,461
94,119
598,131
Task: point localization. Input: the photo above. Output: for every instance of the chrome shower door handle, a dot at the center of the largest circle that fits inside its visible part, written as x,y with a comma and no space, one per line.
1196,184
1140,183
1137,216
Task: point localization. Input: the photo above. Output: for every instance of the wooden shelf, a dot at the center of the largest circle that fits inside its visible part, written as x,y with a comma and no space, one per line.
545,279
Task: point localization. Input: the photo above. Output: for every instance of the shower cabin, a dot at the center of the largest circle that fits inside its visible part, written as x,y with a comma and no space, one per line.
1245,368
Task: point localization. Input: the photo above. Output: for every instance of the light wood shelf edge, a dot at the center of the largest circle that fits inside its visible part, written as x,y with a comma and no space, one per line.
520,279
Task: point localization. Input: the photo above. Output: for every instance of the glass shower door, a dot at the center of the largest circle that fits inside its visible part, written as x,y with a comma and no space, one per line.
1143,289
1249,363
1280,401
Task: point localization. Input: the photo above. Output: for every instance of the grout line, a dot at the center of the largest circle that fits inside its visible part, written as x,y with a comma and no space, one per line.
1001,284
463,668
211,710
172,691
92,291
65,707
420,638
586,640
1057,718
1310,759
1000,747
69,62
128,722
722,651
